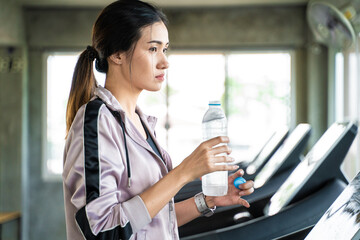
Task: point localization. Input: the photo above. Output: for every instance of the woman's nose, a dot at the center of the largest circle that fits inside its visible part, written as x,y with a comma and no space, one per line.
163,63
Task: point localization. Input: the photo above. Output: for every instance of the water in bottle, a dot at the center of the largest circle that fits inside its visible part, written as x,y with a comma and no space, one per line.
214,124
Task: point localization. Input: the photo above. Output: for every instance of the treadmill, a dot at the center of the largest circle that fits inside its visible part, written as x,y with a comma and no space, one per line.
340,221
272,175
281,164
266,153
301,200
273,144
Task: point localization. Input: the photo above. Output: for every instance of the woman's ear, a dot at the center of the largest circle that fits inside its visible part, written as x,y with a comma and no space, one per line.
116,58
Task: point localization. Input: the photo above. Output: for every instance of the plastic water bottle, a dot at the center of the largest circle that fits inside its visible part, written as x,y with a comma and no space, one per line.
215,124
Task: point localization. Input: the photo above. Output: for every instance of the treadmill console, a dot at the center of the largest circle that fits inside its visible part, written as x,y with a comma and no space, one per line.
328,146
289,152
269,149
342,219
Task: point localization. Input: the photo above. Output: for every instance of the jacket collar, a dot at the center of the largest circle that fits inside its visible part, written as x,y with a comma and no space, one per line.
150,121
114,105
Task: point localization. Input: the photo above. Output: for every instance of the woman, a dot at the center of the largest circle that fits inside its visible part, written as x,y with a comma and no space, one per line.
118,181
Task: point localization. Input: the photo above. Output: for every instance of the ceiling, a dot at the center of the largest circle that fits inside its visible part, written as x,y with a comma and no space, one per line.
160,3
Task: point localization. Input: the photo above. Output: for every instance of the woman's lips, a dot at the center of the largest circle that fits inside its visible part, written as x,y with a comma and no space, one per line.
160,77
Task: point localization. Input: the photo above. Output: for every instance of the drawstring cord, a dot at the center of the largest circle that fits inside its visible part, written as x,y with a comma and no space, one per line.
118,118
126,149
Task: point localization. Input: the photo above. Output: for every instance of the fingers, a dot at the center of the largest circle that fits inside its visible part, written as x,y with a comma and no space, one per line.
221,149
248,184
205,159
246,190
239,173
244,202
233,199
223,159
217,140
223,167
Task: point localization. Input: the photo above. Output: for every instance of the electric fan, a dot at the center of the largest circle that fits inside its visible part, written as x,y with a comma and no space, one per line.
333,25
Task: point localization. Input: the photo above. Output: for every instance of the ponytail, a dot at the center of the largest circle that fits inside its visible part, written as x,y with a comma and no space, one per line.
82,86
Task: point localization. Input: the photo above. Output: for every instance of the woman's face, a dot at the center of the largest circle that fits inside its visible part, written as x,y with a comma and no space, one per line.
149,62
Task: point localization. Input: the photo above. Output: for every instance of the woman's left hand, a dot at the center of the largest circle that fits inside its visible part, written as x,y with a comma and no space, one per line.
233,196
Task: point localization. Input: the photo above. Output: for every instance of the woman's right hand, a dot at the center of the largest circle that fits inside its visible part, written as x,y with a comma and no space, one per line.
204,160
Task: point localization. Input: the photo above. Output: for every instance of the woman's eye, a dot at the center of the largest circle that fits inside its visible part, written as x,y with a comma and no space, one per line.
153,49
165,50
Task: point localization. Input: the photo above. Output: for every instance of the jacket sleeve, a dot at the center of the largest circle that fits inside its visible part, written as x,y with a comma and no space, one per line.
98,172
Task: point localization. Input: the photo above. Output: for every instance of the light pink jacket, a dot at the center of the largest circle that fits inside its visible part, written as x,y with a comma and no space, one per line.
98,202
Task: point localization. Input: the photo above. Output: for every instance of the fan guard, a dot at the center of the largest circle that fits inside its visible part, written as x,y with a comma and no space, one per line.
330,25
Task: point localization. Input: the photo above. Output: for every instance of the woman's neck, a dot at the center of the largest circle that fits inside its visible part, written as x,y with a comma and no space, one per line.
127,97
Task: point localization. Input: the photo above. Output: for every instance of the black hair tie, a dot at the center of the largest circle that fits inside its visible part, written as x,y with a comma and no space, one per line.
92,53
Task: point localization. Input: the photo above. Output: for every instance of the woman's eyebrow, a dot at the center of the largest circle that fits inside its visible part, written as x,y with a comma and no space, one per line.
157,42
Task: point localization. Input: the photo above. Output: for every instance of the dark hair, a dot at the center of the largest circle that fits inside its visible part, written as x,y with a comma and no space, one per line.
117,29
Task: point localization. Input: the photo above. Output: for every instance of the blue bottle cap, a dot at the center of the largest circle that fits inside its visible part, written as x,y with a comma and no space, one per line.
238,181
214,103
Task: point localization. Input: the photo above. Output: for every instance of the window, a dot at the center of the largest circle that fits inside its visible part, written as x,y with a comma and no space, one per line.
193,80
258,93
254,88
256,102
60,68
347,103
